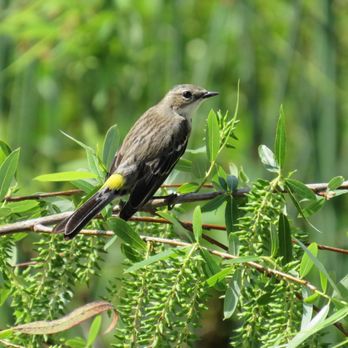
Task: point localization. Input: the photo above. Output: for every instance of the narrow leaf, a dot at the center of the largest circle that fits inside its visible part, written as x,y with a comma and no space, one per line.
335,183
301,189
233,244
213,204
267,158
306,262
188,188
5,150
284,237
232,182
211,267
126,233
178,227
184,165
319,266
65,176
212,136
110,145
307,311
95,165
68,321
164,255
230,302
217,277
313,206
317,324
280,140
94,330
197,224
84,146
7,172
229,214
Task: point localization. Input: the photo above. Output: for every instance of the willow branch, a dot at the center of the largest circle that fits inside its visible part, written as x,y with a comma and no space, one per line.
29,225
318,188
92,232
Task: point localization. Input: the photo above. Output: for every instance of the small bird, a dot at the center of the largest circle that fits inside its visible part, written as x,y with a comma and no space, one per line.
146,157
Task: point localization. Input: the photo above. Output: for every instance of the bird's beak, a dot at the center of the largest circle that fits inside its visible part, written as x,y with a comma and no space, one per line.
209,94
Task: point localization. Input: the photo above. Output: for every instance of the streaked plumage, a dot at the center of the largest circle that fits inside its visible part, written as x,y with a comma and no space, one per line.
148,154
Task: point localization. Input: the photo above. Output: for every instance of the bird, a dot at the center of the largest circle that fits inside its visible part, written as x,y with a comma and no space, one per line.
146,157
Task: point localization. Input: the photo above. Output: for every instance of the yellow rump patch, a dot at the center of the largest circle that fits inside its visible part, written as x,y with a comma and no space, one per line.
114,182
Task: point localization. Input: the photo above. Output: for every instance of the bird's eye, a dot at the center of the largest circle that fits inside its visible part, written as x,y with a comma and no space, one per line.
187,95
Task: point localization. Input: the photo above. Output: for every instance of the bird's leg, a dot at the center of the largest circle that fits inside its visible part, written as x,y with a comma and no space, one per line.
169,198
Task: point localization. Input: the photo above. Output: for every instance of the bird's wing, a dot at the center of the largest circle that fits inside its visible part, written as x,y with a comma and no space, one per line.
155,171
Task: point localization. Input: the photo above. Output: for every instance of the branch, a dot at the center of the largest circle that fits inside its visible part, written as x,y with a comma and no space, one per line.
29,225
90,232
318,188
266,270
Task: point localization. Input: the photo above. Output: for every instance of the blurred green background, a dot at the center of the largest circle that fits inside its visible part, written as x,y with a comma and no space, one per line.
82,66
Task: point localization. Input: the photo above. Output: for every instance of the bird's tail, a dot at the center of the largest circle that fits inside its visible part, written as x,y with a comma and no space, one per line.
72,225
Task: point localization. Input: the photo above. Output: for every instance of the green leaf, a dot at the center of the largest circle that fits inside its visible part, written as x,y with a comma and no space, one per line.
4,294
299,208
323,282
307,310
319,266
76,342
214,203
233,244
211,267
5,150
164,255
280,140
188,188
22,206
84,185
218,276
267,158
274,240
94,330
284,237
95,165
65,176
184,165
197,224
317,324
111,143
335,183
126,233
178,227
230,211
300,189
306,262
232,295
232,183
7,172
212,136
84,146
313,206
110,242
5,212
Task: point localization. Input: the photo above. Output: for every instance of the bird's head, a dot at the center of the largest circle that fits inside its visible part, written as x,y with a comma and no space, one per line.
184,99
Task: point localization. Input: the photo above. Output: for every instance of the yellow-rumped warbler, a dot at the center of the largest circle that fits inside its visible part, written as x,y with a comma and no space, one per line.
148,154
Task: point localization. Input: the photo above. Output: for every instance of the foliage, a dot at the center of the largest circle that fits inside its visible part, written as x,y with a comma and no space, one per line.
163,291
82,66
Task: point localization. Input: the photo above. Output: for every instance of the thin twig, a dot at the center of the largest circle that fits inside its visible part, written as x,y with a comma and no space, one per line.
318,188
188,225
28,225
